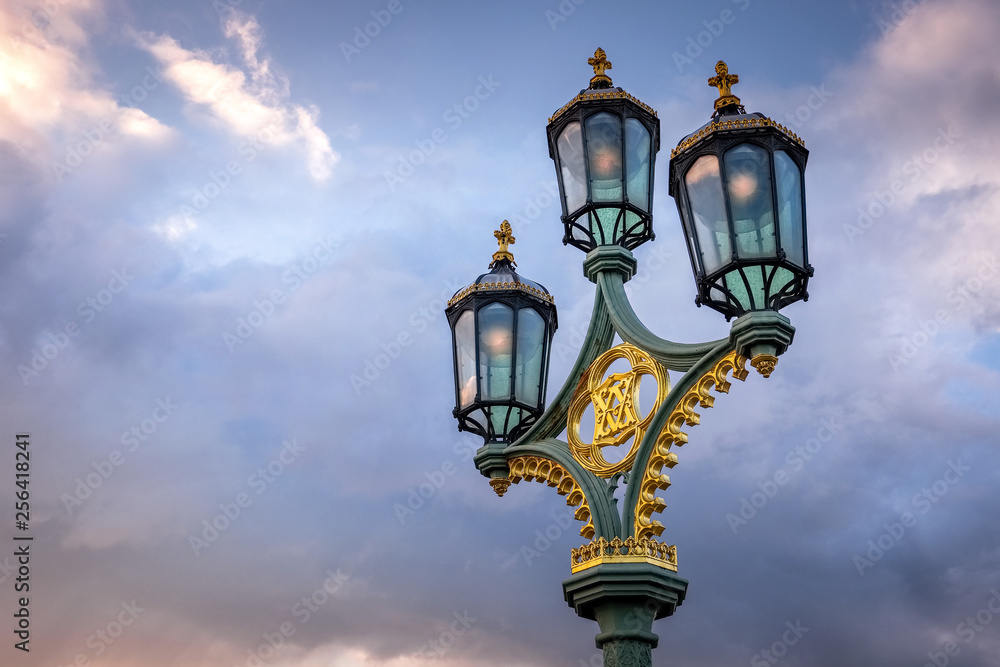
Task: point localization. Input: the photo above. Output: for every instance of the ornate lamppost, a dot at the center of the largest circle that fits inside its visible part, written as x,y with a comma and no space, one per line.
739,187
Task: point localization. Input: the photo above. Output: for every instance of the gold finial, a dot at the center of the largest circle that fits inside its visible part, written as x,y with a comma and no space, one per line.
764,363
600,64
724,81
505,237
500,485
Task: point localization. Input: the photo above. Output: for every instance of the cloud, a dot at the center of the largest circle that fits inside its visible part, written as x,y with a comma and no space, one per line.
50,105
248,103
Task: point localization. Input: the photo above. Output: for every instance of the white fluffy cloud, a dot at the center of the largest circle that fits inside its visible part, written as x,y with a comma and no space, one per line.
245,103
50,106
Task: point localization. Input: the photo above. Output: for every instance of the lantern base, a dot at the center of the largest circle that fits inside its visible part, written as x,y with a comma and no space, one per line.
762,336
609,258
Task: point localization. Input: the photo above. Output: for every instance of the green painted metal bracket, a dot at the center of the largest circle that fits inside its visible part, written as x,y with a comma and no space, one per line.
607,521
686,382
600,335
610,267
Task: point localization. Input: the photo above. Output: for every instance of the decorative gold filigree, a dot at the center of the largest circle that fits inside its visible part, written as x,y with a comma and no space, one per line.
653,478
631,550
764,363
724,81
615,399
505,237
736,124
545,470
614,94
500,485
479,287
600,64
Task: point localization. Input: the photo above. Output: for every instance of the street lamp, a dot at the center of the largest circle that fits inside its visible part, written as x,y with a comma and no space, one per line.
738,182
604,143
741,197
502,326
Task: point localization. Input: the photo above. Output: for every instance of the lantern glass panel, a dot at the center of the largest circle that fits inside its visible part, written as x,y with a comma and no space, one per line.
465,347
604,150
574,173
708,207
789,207
637,152
748,179
496,339
530,341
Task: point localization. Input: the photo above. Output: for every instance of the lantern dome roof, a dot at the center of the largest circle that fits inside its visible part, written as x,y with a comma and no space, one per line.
502,276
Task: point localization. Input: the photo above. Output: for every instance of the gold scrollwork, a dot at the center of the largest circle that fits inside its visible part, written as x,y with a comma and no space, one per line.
631,550
541,469
616,408
654,478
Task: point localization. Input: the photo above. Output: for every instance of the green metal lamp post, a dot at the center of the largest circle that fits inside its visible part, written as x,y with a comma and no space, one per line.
738,184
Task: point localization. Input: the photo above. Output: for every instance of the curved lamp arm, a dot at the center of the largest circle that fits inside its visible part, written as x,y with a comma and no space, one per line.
600,335
607,523
697,371
609,267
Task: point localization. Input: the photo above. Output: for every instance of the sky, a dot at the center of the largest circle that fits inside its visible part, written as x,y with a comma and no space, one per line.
228,229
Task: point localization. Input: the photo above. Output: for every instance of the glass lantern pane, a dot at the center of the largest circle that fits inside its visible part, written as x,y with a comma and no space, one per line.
782,277
708,206
789,207
574,175
496,342
604,151
465,346
748,179
637,160
602,225
530,341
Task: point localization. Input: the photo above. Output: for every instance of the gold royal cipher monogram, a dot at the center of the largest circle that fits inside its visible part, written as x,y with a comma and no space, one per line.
616,411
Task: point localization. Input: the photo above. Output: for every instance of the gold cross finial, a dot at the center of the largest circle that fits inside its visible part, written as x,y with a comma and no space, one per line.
724,81
600,64
505,237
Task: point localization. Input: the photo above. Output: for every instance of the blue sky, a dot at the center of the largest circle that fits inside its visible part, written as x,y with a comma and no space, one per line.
217,217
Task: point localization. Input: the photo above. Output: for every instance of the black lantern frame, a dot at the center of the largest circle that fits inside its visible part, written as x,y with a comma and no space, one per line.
621,220
746,281
500,419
